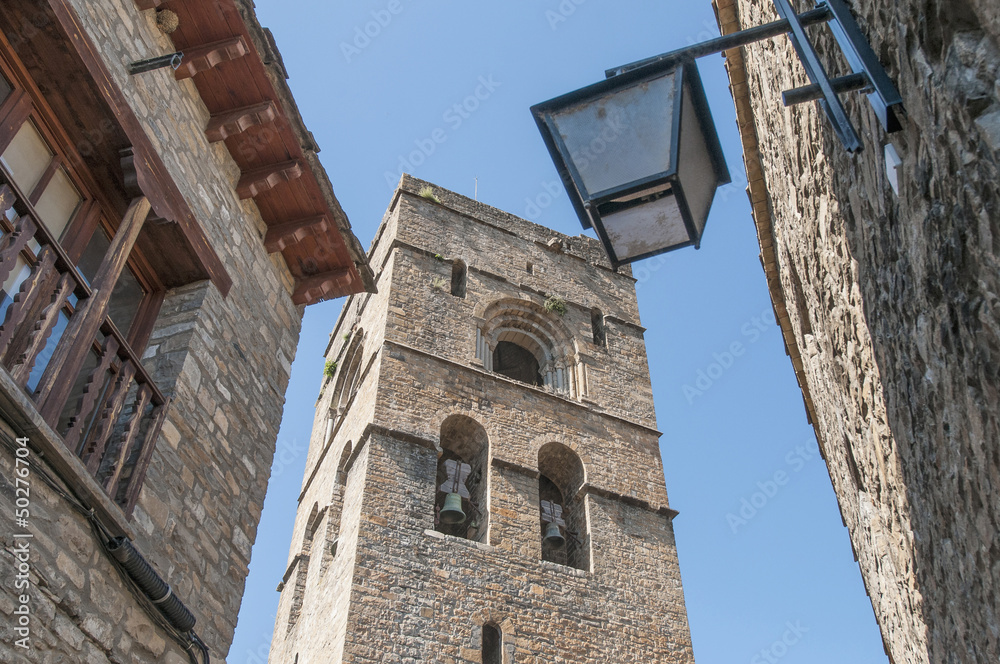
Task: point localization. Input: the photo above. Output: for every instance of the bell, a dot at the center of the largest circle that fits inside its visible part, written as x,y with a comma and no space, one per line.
452,513
553,535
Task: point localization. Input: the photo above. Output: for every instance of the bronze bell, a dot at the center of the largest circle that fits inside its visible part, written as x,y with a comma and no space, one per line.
452,513
553,535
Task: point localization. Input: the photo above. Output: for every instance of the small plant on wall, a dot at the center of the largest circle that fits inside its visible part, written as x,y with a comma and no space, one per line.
329,369
429,194
556,305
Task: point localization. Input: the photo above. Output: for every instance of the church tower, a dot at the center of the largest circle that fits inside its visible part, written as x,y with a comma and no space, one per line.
484,481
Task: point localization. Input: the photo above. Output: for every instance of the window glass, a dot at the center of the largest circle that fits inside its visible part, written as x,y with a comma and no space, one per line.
128,292
27,157
58,203
4,88
45,356
90,261
125,300
12,286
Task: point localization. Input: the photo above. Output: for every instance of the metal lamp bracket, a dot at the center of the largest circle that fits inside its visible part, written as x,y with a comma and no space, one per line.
867,73
172,60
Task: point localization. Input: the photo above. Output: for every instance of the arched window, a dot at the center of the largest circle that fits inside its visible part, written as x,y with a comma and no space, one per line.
345,456
462,473
492,644
336,510
516,362
302,571
562,509
516,334
597,328
348,379
459,278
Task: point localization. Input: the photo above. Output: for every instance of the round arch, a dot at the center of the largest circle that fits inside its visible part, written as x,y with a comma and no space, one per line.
526,324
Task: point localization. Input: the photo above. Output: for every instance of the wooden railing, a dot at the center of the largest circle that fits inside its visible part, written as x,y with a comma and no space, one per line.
113,420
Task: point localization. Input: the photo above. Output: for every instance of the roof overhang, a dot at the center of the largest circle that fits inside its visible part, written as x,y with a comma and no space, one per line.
237,70
728,17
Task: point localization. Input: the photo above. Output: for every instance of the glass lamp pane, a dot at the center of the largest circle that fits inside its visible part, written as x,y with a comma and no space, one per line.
648,228
695,169
58,203
622,136
27,157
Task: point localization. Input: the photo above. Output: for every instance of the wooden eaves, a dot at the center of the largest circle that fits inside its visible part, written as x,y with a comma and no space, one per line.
237,70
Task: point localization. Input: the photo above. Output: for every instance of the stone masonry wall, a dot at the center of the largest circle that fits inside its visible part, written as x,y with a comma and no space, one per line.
893,305
422,596
362,319
396,590
618,374
224,362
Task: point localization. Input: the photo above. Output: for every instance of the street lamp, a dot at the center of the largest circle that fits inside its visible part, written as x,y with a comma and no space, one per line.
639,155
640,159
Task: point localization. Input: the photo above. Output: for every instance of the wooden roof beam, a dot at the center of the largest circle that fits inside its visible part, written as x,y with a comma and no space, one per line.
280,236
203,58
236,121
259,180
153,175
324,286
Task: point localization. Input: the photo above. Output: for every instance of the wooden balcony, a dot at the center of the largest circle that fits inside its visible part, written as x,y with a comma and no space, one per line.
58,345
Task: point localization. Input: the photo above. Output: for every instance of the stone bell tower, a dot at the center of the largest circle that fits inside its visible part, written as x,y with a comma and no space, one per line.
484,481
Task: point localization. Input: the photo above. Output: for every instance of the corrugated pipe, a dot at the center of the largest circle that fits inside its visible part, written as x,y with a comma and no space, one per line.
155,588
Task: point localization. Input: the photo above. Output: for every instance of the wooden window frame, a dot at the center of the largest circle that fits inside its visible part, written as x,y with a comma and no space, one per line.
26,103
113,459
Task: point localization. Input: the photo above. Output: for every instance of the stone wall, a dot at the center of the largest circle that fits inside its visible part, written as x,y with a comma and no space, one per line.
891,303
224,361
399,590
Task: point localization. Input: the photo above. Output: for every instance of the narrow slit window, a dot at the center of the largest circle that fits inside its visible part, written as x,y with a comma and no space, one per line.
597,327
459,278
492,644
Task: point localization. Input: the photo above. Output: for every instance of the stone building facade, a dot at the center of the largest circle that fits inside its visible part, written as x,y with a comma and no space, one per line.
160,233
885,280
500,370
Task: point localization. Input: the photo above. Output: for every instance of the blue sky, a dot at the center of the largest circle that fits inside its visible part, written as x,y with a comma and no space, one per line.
765,560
